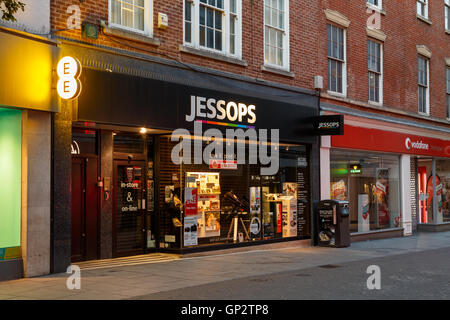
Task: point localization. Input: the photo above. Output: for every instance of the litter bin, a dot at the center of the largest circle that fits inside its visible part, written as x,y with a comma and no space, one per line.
333,223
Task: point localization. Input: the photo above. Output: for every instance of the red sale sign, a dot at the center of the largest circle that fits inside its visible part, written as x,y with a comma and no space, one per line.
190,202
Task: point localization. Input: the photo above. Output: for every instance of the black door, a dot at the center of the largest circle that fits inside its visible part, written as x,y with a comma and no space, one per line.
84,209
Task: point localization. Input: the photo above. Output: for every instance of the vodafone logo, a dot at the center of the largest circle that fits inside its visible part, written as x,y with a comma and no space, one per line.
416,145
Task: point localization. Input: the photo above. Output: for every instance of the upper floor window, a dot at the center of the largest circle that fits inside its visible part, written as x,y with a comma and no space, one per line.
422,8
375,62
132,15
423,85
447,15
375,3
336,59
448,92
276,33
213,25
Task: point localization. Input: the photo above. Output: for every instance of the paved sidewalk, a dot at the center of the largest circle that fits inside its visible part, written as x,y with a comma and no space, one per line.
128,282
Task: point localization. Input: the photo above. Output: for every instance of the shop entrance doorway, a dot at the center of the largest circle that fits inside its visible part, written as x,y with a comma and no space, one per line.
131,218
84,208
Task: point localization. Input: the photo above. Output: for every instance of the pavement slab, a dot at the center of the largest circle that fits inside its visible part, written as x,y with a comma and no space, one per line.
212,269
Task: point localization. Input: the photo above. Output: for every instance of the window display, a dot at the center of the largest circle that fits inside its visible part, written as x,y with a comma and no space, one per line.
426,194
236,203
208,186
443,190
370,182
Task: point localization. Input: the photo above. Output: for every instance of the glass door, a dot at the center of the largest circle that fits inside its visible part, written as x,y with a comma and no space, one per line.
130,222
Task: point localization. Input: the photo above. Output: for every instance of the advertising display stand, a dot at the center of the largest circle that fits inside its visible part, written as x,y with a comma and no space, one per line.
333,223
363,213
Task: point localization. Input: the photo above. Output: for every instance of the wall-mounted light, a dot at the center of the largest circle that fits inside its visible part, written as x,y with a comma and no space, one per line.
143,130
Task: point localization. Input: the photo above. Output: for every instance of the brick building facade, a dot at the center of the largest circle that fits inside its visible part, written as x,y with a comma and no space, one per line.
285,49
384,65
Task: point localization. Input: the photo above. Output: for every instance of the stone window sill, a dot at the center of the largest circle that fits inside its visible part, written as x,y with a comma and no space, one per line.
447,31
421,18
129,35
277,71
334,94
212,55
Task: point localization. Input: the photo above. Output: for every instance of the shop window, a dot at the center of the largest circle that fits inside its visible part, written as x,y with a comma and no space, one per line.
375,3
375,63
448,91
370,182
10,176
276,33
132,15
226,202
434,194
447,15
336,59
423,86
422,8
443,191
213,25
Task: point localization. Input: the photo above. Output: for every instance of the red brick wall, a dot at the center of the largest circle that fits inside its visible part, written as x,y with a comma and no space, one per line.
303,37
308,45
404,31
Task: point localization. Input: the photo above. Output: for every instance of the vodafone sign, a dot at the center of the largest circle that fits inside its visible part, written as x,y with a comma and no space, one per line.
416,145
388,141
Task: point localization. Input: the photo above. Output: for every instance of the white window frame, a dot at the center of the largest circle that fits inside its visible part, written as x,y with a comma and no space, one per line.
286,49
380,84
378,6
148,20
195,29
419,4
427,91
447,14
344,65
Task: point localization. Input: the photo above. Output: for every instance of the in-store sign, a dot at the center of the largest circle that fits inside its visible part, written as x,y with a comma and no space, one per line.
355,169
69,70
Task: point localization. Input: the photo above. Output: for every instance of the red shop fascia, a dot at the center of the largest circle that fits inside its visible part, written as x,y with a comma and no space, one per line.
388,141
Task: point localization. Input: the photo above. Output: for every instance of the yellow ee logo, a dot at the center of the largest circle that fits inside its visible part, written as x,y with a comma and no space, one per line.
69,70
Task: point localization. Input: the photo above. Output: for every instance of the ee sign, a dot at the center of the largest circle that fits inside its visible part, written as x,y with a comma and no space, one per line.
69,70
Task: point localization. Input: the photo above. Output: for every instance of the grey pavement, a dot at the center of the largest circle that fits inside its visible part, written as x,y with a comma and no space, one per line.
249,272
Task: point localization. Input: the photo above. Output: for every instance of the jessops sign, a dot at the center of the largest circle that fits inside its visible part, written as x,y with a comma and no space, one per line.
207,110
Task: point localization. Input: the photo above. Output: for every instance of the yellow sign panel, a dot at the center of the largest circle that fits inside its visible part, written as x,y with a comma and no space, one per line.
69,70
26,72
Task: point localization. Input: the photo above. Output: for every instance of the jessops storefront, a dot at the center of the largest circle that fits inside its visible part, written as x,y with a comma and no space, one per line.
179,160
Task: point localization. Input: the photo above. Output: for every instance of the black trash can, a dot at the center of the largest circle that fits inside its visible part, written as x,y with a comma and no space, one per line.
333,223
